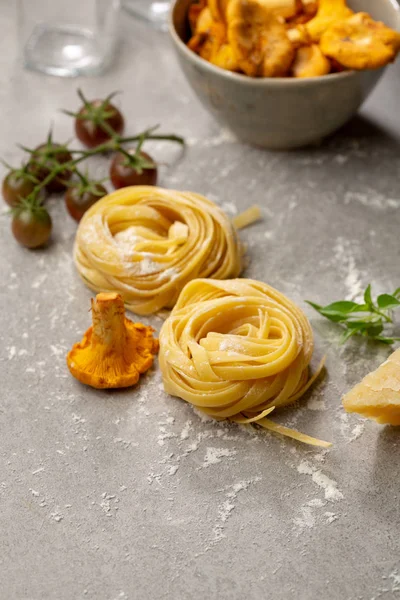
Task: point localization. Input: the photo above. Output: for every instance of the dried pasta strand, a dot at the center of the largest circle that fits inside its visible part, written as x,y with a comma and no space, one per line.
245,421
247,217
238,349
146,243
292,433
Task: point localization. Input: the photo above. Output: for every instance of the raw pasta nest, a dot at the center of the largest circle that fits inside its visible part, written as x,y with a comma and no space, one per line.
236,350
146,243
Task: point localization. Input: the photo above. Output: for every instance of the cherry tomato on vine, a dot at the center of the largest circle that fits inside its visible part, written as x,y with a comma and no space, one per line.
31,225
97,121
137,169
45,158
78,199
16,185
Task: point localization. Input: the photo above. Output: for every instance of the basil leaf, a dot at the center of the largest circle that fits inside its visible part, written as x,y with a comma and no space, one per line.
336,317
344,307
368,298
367,319
386,340
346,335
374,330
316,306
387,302
358,325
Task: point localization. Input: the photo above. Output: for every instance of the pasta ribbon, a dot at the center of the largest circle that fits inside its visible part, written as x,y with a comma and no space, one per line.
146,243
237,350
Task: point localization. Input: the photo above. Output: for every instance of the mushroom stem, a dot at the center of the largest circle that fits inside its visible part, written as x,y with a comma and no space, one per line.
108,318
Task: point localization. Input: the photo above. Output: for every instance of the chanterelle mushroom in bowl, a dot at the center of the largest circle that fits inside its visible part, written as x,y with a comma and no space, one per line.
303,90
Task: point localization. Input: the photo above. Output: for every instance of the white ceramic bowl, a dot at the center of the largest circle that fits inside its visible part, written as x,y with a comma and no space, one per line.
279,113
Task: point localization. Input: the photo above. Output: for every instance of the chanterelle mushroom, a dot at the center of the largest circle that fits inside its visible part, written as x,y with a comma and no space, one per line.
258,38
114,351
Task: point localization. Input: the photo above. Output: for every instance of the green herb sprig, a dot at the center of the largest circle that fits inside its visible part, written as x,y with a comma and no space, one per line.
369,318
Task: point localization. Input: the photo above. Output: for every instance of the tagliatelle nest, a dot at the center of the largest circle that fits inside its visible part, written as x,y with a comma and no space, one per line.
289,38
147,242
238,350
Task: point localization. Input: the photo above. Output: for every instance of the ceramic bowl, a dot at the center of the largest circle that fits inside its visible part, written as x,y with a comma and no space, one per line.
279,113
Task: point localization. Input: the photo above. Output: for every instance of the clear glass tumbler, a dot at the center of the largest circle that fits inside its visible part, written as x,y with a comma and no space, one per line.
68,37
154,12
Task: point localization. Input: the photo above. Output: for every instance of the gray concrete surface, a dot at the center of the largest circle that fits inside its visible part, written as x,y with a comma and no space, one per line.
131,495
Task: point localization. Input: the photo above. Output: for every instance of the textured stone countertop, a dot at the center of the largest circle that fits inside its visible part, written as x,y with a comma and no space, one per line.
131,495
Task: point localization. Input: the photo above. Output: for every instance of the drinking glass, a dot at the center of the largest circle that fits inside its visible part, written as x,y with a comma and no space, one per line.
68,37
155,13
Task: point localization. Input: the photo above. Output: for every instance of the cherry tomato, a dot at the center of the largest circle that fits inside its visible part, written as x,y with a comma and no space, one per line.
16,186
78,201
31,227
44,158
123,174
88,126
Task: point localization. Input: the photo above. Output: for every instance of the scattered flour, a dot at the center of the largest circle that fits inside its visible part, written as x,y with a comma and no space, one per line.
350,433
230,344
202,416
38,281
109,502
329,486
229,208
353,277
38,471
58,351
125,443
321,456
187,428
357,431
395,577
307,518
316,404
127,239
78,419
331,517
215,455
226,508
372,199
344,424
224,172
164,435
56,516
224,137
148,267
316,503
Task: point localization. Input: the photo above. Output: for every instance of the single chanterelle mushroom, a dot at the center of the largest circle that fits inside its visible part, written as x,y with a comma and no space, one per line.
114,351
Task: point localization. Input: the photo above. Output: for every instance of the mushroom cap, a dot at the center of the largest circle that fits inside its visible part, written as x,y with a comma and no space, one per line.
117,352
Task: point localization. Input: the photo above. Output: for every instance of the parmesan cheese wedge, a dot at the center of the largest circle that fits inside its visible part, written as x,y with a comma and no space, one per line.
377,396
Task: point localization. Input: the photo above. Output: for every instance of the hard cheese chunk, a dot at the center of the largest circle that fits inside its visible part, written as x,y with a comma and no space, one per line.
377,396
